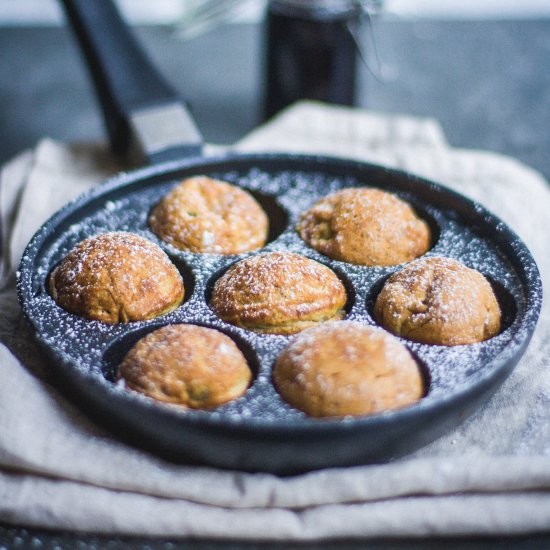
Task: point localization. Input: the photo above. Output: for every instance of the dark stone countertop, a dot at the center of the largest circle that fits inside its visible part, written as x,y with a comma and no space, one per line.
487,82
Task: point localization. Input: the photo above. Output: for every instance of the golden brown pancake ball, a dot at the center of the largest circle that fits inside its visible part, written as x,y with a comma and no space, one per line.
365,226
116,278
278,293
346,368
187,365
439,301
204,215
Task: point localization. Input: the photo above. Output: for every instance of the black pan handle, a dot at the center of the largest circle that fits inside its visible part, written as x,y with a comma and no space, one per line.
141,110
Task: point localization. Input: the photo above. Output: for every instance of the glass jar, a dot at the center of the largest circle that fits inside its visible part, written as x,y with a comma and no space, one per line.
311,52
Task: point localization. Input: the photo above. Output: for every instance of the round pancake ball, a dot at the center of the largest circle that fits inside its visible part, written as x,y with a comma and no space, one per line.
439,301
116,278
365,226
186,365
204,215
278,293
347,368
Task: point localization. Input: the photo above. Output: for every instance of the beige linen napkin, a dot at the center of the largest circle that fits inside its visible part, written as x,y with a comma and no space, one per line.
489,476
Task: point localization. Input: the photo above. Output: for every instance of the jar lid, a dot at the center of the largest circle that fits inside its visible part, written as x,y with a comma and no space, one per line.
324,9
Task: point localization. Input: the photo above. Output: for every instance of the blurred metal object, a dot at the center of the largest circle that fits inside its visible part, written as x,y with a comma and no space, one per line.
202,15
312,49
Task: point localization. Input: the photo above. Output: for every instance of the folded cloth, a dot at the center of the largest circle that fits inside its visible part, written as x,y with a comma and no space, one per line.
491,475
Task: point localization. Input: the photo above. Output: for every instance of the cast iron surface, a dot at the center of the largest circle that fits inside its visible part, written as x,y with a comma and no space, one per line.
259,431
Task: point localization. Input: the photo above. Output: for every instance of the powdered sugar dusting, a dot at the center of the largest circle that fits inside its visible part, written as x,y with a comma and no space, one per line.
87,346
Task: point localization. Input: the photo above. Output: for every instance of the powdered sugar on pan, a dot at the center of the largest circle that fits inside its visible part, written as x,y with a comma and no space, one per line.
94,347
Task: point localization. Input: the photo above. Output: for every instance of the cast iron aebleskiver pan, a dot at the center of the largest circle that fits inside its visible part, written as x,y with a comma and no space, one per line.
259,432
